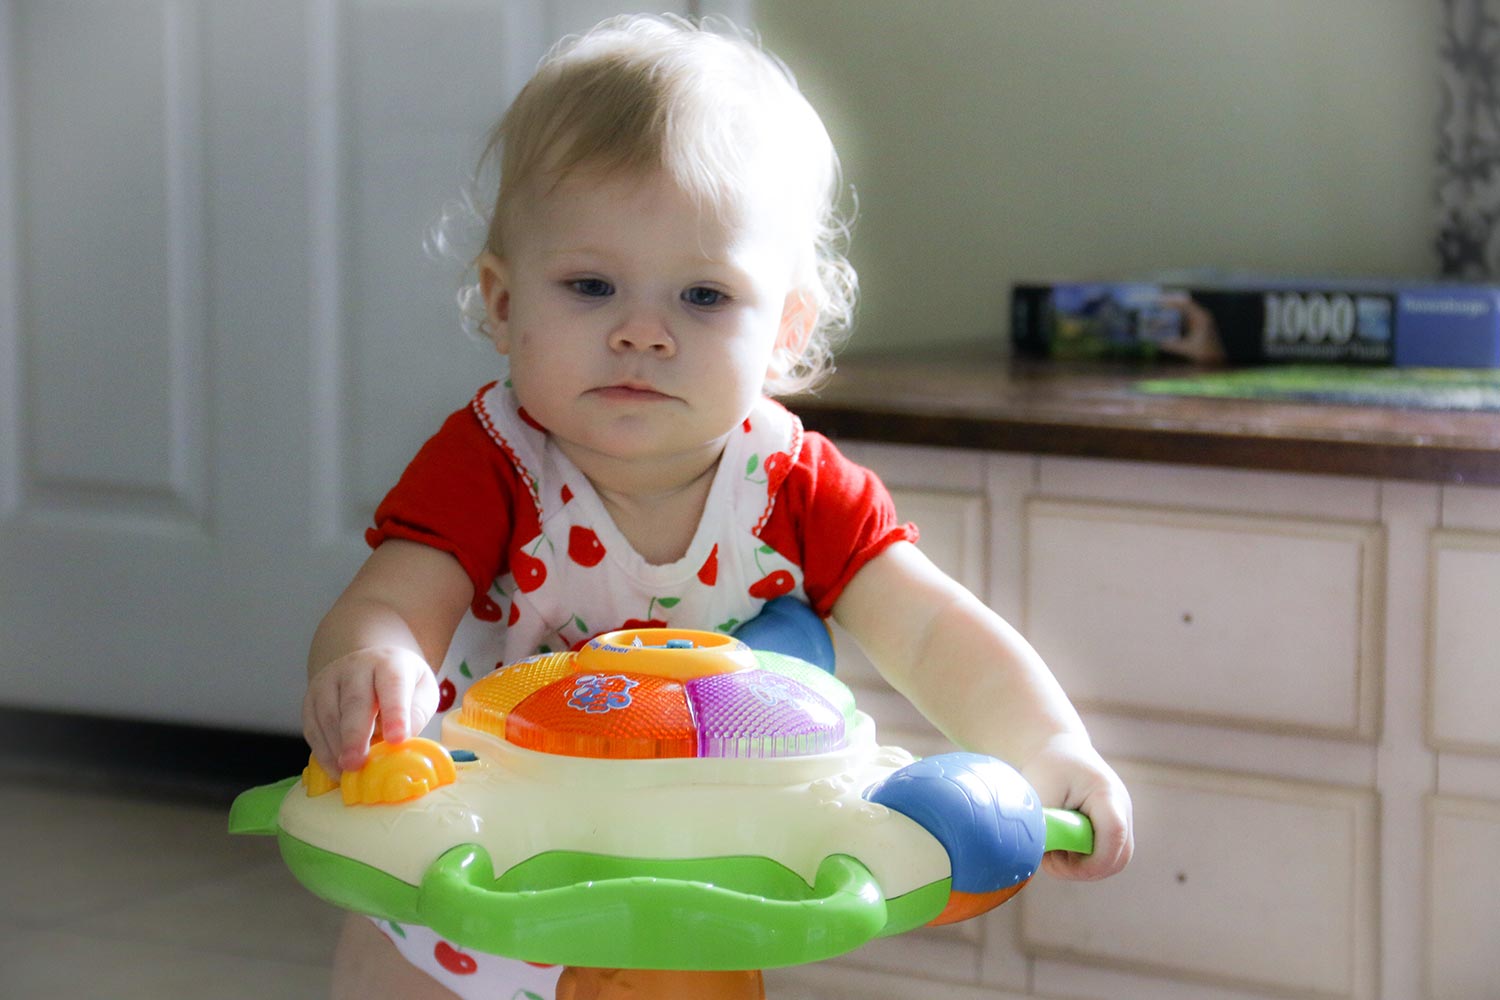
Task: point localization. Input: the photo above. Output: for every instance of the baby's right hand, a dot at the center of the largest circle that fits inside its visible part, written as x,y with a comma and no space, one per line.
345,697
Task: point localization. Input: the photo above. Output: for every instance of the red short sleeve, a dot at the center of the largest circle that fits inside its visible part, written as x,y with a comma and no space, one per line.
459,495
831,517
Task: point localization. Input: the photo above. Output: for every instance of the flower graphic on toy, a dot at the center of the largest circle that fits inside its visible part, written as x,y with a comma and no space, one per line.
597,693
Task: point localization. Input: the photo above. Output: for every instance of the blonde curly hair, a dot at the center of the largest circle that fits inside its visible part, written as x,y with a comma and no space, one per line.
707,105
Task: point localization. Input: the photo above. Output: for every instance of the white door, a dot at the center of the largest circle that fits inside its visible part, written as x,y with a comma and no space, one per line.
220,337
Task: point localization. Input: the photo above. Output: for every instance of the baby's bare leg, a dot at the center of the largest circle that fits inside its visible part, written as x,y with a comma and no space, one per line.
366,966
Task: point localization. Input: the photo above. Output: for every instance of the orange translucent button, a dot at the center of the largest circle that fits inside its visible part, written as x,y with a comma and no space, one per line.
615,715
491,698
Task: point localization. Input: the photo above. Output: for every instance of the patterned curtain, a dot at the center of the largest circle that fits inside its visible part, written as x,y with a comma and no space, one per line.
1468,152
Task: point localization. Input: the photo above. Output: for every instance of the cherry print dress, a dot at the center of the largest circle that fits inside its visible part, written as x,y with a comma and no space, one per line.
573,575
564,572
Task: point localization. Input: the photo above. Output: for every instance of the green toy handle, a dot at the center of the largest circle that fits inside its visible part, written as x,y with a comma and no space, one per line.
562,914
1068,830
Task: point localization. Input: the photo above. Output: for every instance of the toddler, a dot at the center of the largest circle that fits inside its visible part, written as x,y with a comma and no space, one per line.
661,255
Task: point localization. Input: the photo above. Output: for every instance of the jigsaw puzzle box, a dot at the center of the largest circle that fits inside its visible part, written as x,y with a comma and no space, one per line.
1255,321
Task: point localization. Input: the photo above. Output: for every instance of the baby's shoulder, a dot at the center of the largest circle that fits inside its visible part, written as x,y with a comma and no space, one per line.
464,452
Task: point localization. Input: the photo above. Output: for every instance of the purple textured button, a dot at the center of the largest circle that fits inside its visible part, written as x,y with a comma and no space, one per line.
757,713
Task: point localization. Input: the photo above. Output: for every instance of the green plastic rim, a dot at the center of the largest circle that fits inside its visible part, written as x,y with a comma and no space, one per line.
255,810
567,908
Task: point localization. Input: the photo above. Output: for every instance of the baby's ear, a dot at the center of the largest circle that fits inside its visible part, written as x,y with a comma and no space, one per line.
799,318
494,289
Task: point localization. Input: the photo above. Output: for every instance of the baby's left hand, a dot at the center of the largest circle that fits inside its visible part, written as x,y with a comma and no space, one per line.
1068,773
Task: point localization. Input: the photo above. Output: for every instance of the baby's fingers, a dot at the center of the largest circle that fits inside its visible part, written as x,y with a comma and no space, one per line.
407,694
320,727
1114,843
356,720
393,695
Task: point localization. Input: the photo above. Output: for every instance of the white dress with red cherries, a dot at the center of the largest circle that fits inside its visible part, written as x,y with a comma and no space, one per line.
579,576
571,575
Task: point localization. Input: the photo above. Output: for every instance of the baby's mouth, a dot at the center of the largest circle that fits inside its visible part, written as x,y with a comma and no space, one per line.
631,392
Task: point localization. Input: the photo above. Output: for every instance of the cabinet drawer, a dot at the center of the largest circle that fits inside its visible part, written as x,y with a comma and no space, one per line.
1239,880
1463,905
1464,642
1252,621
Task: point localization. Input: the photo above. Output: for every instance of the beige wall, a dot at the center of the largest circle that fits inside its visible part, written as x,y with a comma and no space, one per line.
991,140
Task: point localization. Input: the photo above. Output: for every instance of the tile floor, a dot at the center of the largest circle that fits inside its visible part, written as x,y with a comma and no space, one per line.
117,895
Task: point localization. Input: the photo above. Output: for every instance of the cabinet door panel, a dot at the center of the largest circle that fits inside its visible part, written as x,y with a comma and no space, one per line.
1463,905
1251,621
1239,880
1464,699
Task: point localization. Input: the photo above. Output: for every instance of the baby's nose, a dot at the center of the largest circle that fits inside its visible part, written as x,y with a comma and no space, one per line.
643,331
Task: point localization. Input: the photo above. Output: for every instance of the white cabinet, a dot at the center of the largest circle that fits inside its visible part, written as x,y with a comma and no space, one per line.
1298,678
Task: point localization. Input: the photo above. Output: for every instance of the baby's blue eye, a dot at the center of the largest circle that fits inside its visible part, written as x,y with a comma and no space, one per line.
704,298
592,287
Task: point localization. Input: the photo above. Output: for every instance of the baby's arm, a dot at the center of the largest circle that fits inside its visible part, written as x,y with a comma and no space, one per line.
376,651
974,677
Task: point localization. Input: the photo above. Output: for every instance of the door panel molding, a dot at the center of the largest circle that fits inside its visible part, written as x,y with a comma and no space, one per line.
111,401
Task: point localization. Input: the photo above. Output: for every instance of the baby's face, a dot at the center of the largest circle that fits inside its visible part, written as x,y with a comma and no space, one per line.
637,326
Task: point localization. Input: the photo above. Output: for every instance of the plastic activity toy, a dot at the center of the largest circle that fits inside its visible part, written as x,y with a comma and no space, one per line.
662,799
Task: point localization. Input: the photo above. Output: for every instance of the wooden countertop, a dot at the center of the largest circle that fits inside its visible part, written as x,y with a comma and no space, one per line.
1086,410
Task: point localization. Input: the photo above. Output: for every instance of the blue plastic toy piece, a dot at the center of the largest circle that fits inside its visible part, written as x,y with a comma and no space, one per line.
987,817
788,626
